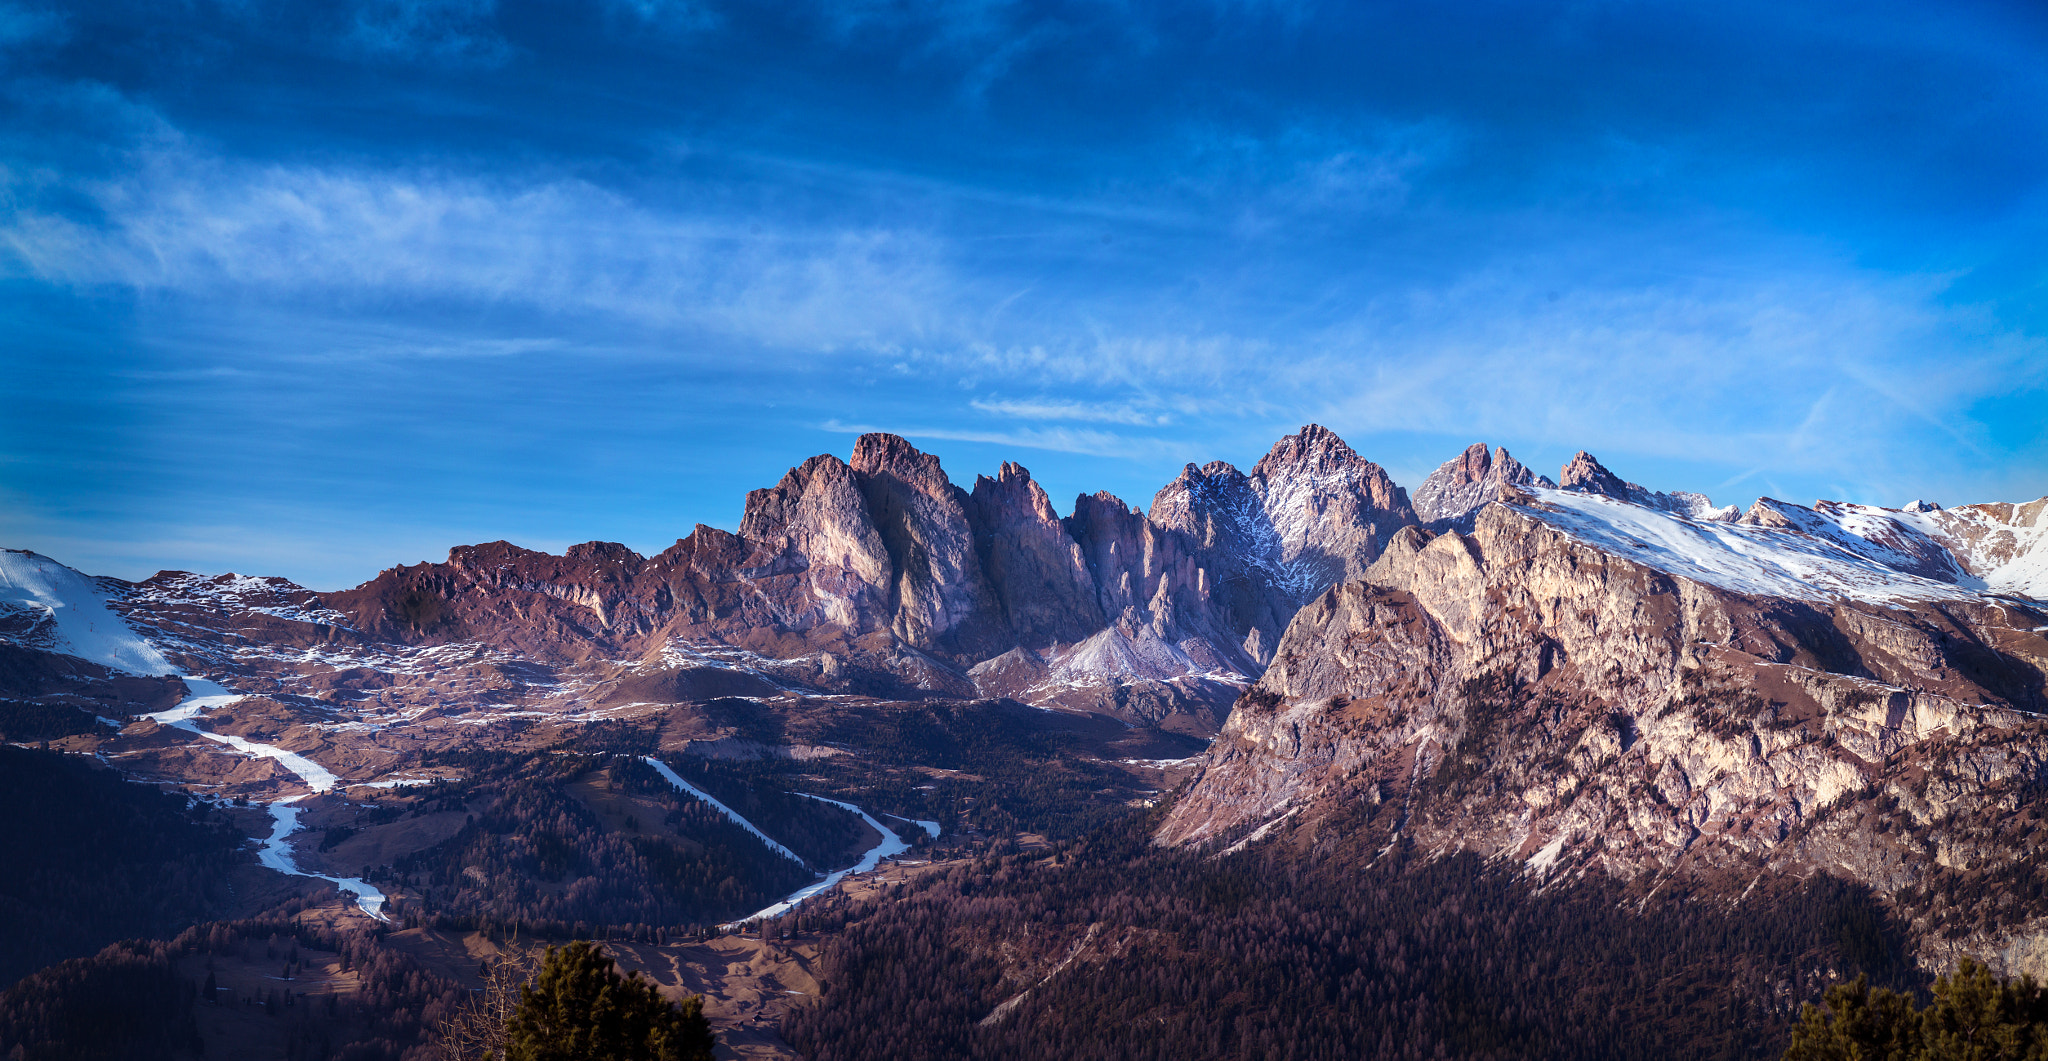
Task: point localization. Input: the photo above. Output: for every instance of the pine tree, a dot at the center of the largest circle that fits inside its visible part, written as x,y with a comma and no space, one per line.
579,1008
1974,1017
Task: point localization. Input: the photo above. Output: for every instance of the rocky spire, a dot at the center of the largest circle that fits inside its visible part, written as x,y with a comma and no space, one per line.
1035,568
1585,474
1454,493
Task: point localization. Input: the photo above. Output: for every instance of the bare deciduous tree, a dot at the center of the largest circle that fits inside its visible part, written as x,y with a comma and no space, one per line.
476,1031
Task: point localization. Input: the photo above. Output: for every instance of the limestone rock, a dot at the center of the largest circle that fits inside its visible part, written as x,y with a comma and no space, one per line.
1453,494
1529,694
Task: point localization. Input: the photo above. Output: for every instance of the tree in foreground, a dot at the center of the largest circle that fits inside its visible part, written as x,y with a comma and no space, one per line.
578,1008
1973,1017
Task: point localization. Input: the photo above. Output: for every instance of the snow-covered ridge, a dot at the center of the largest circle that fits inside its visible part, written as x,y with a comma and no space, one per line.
277,597
1819,555
2005,545
79,623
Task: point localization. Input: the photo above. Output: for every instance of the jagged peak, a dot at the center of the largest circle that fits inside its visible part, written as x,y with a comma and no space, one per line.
881,453
1314,446
767,509
1585,474
1012,490
1461,485
1195,473
1011,476
1101,500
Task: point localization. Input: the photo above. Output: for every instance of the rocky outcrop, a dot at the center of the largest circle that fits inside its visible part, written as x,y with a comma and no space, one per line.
1586,475
1527,693
1453,494
880,576
1311,513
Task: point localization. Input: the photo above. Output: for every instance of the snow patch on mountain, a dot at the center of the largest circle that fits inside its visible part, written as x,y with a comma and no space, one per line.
72,613
2005,545
1781,561
277,597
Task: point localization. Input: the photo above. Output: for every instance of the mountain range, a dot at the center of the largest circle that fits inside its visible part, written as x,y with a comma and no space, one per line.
1575,675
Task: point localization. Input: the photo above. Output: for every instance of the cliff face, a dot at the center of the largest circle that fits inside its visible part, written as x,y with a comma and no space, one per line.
879,576
1311,513
1453,494
1540,692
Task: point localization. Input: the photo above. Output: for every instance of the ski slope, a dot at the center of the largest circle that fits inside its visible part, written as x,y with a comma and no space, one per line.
79,621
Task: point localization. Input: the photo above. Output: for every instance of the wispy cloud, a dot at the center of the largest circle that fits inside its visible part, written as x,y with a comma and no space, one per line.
1058,440
1053,409
187,223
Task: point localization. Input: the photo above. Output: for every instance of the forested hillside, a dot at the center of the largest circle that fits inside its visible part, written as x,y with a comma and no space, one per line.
1110,948
92,858
259,988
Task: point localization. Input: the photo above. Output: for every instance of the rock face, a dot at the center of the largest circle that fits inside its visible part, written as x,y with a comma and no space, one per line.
879,576
1453,494
1589,685
1311,513
1586,475
875,576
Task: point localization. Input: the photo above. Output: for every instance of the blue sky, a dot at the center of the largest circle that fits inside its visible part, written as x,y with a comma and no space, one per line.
316,289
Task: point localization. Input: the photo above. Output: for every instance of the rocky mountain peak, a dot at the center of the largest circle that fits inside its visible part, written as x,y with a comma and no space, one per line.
1584,474
1587,475
1460,486
880,453
1012,496
1314,447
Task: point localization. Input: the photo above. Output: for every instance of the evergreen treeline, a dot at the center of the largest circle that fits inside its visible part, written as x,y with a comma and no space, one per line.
32,720
130,1002
995,767
93,859
1276,953
1972,1016
125,1002
537,854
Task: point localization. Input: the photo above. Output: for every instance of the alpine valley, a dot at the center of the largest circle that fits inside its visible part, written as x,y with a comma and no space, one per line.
1295,762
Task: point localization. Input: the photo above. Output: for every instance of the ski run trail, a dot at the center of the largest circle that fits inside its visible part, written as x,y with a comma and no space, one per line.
890,846
78,622
277,851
